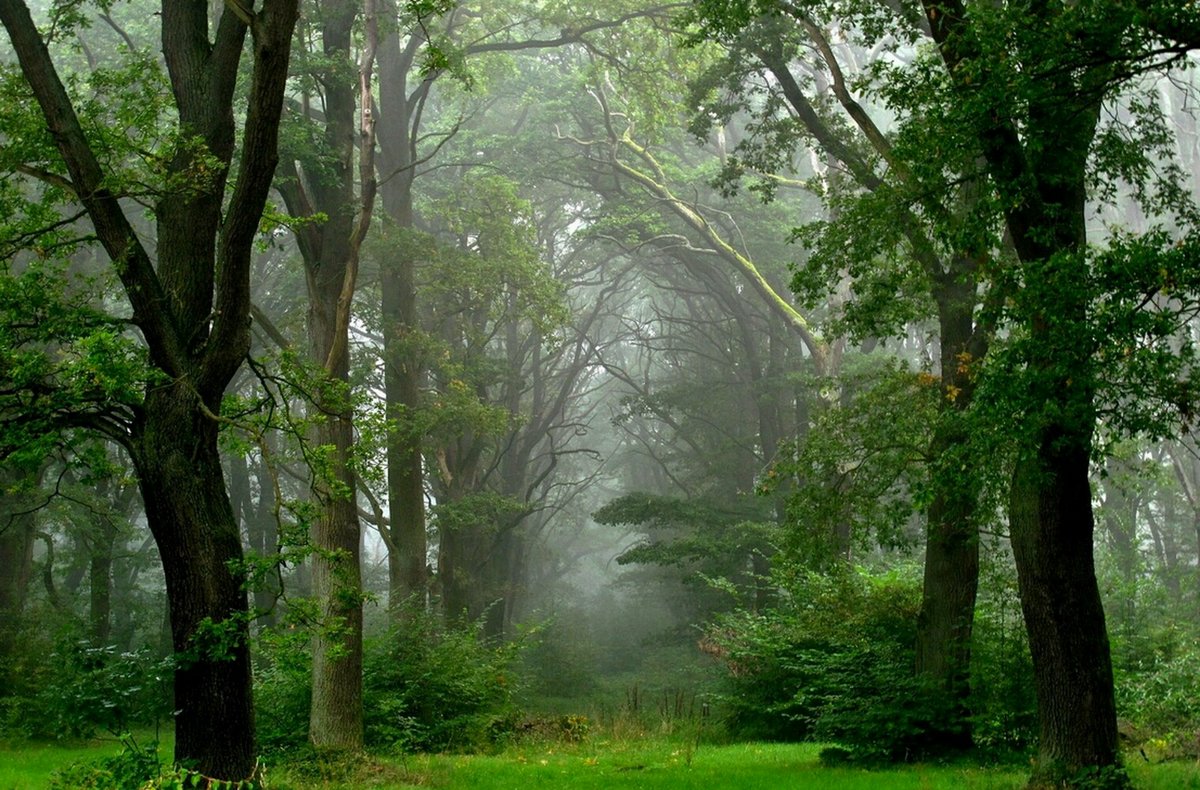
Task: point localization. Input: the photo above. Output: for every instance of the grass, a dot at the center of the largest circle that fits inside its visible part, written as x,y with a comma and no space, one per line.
29,765
644,764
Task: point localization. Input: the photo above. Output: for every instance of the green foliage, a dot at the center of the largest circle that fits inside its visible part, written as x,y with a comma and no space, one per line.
1162,695
859,470
93,689
132,767
429,687
1003,704
833,663
63,362
282,689
484,509
560,662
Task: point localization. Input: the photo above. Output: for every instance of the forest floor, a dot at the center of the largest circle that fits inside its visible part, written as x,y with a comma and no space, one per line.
647,764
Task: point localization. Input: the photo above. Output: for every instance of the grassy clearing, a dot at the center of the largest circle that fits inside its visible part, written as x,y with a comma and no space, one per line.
646,765
650,764
28,765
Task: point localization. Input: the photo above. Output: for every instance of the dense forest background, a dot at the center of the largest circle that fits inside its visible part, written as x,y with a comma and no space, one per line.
414,374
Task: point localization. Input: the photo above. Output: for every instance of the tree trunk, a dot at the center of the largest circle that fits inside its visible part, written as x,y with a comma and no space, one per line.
18,529
951,573
1052,525
101,582
179,473
330,252
191,306
407,575
402,358
336,717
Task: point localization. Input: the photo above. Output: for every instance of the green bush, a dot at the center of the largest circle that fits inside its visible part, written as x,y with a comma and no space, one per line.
98,689
1158,692
834,662
132,767
65,687
1003,700
282,690
429,687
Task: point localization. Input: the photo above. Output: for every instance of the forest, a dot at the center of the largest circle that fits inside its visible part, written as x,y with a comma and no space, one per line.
632,393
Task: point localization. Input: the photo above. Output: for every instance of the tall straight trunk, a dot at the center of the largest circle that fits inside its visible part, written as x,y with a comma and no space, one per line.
951,572
402,358
407,558
18,531
330,251
179,473
100,581
949,589
336,719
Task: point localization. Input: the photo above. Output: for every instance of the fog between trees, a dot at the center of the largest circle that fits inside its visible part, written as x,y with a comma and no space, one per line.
825,367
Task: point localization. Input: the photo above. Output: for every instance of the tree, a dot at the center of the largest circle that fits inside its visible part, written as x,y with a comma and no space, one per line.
902,238
1032,108
189,301
318,187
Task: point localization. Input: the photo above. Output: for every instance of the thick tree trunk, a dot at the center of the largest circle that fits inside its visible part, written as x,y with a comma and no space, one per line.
336,714
1052,526
951,581
330,252
191,305
179,472
337,708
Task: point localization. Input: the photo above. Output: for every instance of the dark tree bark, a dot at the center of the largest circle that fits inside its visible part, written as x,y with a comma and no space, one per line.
1040,173
951,572
196,532
192,309
18,533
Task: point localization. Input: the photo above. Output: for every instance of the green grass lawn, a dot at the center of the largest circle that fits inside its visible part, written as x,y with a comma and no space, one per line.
28,766
644,764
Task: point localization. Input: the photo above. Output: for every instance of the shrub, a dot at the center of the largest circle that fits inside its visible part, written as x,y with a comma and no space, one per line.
828,662
834,662
132,767
282,690
431,687
1159,693
100,689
